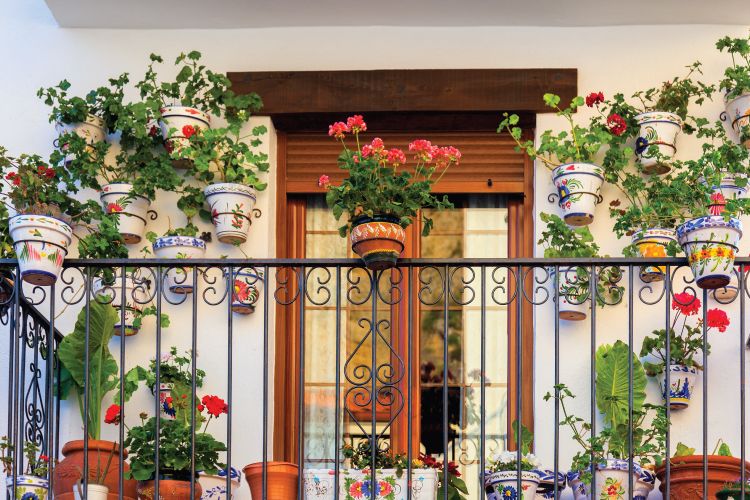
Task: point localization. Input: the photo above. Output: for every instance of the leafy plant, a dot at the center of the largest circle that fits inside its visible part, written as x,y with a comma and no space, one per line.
378,182
508,460
174,368
736,79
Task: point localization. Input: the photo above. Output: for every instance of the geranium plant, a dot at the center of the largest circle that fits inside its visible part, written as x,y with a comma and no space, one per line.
174,368
379,182
508,460
36,464
736,79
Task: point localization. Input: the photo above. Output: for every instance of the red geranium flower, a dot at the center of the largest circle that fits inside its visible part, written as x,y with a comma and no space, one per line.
422,149
43,458
356,124
215,405
188,131
377,144
50,173
594,98
324,181
113,415
41,169
616,124
114,207
716,318
396,157
153,131
338,130
201,407
367,151
686,303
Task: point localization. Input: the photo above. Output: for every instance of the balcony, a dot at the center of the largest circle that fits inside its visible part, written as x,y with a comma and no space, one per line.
435,357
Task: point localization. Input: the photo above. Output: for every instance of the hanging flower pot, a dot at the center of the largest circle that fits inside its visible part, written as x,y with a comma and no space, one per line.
170,488
573,294
246,290
710,244
611,481
136,296
215,486
93,130
378,240
659,129
578,186
41,244
681,385
728,186
179,279
231,209
653,243
93,492
28,487
131,210
738,113
504,484
178,124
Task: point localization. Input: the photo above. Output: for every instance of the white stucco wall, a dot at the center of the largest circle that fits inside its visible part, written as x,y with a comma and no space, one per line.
35,52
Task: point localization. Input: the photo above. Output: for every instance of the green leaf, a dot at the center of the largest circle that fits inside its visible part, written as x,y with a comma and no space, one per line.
612,383
683,450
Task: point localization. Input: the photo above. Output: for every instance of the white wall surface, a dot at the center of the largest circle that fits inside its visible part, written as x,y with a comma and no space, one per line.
35,52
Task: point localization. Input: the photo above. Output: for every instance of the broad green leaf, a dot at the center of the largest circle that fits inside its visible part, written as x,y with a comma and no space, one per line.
612,383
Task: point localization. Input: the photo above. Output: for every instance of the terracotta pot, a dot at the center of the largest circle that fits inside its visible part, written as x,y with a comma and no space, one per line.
378,240
281,484
686,475
68,471
169,489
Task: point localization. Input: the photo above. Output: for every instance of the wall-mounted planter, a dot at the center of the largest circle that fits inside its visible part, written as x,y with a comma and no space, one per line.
652,243
93,130
247,286
574,303
578,187
681,385
136,296
710,244
728,186
231,210
179,280
738,114
131,210
355,484
177,124
611,481
28,487
41,244
215,486
379,241
504,484
657,140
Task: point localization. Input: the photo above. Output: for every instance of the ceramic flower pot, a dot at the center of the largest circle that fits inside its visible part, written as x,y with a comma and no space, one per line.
379,241
179,280
738,113
231,210
165,391
710,244
611,481
681,385
578,186
169,489
215,486
93,130
573,304
28,487
644,485
355,484
246,290
656,143
546,488
41,244
728,186
178,124
68,472
131,210
686,475
282,480
653,243
93,492
504,484
136,296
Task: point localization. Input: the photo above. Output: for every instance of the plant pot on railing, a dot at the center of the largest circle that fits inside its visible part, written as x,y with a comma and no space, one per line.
653,243
611,481
68,472
93,130
177,124
656,143
231,208
681,385
131,210
355,484
178,279
171,487
246,289
686,475
136,296
710,244
281,480
504,484
28,487
215,486
738,114
41,244
578,187
378,240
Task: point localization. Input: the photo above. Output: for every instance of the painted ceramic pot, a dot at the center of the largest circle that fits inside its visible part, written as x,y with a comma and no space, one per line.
686,475
573,296
282,480
710,244
231,210
378,240
546,488
644,485
215,486
610,481
728,186
578,186
657,138
504,484
653,243
178,124
681,385
248,284
93,492
28,487
165,392
179,280
169,489
93,130
738,114
41,244
131,210
136,297
355,484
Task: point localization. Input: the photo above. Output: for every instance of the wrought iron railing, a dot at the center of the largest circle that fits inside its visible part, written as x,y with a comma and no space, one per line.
524,288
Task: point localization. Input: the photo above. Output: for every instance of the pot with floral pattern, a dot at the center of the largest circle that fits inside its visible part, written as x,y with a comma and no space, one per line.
178,124
738,114
546,488
354,484
28,487
247,285
215,485
179,279
681,385
644,485
41,244
657,138
574,303
653,243
731,186
378,240
131,210
578,187
136,296
93,130
610,481
165,400
504,484
232,206
710,243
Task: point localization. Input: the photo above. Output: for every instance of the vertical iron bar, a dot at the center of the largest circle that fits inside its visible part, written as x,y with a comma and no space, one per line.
705,397
193,381
743,473
301,397
230,318
668,354
17,391
482,371
157,388
86,388
556,467
446,294
409,403
265,282
593,281
337,389
631,270
519,373
49,438
121,428
373,380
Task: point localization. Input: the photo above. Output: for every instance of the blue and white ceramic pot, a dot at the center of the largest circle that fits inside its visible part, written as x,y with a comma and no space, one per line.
657,140
178,124
215,486
546,488
41,244
247,286
136,296
356,484
578,186
681,385
610,481
644,485
231,210
29,487
710,244
574,303
131,210
179,279
653,243
738,113
504,485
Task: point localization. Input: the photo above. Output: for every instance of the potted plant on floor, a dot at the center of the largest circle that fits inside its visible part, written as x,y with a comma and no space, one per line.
736,86
32,483
380,195
684,347
501,477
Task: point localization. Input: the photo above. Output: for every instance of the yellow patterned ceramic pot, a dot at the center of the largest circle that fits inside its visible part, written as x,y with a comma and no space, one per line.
710,244
652,243
378,240
28,487
41,244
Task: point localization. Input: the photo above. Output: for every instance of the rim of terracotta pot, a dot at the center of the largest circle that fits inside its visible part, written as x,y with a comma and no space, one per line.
696,461
94,445
364,219
258,466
